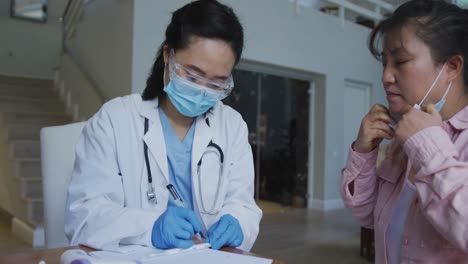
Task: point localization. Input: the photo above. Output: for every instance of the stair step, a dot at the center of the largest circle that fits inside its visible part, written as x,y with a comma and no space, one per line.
15,103
23,131
28,168
27,91
43,119
25,149
31,188
34,211
22,81
27,105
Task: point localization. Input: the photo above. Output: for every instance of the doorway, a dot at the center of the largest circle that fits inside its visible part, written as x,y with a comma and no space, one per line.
276,110
356,105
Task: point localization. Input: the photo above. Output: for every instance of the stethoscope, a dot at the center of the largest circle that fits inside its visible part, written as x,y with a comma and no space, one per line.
212,147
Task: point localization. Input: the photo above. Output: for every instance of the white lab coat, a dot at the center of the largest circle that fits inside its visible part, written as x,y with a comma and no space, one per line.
107,205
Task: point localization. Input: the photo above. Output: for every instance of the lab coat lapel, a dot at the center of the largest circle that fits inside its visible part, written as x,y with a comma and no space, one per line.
154,138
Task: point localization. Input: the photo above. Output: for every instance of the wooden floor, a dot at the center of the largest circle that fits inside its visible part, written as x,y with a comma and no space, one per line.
293,235
9,244
308,236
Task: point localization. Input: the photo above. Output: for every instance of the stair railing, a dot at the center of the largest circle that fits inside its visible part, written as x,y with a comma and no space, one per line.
70,18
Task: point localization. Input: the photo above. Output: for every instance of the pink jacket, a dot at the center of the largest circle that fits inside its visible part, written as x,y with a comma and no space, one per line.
436,229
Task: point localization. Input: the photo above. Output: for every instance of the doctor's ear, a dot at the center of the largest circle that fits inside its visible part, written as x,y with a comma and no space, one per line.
455,67
166,52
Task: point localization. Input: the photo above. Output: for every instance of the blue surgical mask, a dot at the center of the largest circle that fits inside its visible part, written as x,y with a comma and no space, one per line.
438,105
188,100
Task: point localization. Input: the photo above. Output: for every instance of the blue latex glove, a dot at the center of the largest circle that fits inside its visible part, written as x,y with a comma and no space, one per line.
226,232
175,228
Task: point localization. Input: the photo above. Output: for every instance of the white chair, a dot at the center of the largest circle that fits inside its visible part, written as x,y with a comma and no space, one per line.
57,158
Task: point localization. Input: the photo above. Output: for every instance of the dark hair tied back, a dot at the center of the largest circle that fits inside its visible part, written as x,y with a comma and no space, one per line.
442,26
203,18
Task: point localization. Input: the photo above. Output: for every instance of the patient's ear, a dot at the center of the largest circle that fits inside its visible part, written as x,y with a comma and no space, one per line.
454,67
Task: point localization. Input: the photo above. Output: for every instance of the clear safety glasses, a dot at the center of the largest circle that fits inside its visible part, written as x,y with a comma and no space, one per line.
188,76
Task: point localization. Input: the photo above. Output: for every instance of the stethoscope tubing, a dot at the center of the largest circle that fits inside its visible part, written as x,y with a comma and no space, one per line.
152,196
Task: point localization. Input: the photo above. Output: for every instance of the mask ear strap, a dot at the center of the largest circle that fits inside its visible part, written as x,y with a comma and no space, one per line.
164,75
433,84
448,89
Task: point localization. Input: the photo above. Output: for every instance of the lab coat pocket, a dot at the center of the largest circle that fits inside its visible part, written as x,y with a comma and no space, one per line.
211,183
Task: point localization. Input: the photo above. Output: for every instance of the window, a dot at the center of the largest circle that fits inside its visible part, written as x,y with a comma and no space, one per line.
461,3
33,10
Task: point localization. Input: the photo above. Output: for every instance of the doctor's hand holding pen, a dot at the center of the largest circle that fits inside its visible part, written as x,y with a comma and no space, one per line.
375,126
175,228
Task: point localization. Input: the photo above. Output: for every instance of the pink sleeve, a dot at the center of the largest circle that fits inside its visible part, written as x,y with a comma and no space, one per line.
441,180
360,171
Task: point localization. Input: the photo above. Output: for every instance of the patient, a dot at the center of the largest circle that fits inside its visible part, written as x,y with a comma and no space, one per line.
416,200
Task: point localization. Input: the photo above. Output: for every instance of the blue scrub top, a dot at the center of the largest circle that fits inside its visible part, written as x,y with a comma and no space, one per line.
179,158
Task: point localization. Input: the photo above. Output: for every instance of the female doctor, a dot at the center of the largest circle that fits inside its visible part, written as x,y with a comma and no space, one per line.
158,168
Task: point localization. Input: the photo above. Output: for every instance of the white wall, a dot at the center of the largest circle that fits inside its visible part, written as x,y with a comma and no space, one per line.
150,21
103,45
30,49
309,41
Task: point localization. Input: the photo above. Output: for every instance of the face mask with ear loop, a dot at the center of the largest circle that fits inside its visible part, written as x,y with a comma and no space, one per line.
188,96
441,102
438,105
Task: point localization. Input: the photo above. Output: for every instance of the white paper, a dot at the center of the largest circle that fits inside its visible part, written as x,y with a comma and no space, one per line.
134,252
206,256
199,253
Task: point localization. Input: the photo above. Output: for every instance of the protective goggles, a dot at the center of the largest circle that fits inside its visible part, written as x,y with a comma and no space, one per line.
188,76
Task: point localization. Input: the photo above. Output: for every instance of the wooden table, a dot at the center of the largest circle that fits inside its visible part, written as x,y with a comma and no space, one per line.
52,256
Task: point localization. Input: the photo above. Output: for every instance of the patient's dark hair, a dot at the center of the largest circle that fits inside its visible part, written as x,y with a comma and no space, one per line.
442,26
203,18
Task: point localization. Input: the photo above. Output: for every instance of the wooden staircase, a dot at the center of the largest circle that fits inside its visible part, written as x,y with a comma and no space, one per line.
26,105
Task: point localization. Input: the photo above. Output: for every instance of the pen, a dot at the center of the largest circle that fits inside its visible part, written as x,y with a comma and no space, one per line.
180,203
177,199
